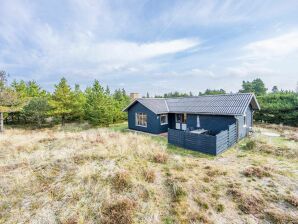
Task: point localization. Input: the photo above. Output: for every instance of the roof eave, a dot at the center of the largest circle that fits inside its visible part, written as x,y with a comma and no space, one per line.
129,105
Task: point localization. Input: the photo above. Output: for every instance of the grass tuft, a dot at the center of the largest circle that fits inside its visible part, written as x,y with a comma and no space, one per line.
250,145
160,157
278,216
292,199
247,203
121,180
119,212
255,171
176,189
149,175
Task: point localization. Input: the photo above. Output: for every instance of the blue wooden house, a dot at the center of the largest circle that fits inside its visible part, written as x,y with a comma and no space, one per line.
209,124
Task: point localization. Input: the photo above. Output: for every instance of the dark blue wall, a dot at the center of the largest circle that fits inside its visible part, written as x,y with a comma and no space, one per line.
214,123
153,120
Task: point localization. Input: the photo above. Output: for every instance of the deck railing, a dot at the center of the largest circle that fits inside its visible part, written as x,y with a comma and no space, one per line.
211,144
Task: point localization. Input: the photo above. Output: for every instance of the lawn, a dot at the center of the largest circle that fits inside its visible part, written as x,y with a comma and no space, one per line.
79,174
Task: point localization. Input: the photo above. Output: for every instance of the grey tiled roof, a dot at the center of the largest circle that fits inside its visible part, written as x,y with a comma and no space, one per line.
157,105
227,104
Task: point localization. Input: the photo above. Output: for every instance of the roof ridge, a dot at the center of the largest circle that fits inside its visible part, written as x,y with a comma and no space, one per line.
188,97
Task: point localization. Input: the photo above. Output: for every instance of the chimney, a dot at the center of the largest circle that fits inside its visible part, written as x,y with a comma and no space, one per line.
134,96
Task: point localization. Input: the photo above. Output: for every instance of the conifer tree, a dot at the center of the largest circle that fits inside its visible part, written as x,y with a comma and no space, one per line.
99,106
79,103
62,101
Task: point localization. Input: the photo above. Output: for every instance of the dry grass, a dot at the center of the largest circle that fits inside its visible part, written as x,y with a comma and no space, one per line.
121,180
119,212
278,216
103,176
160,157
292,199
149,175
257,171
247,202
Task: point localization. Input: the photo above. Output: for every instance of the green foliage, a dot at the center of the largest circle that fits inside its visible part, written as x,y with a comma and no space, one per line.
36,110
120,100
280,107
63,101
257,86
78,104
99,107
28,102
274,89
213,92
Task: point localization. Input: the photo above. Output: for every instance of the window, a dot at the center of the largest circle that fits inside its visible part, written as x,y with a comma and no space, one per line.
141,119
178,118
184,118
181,118
244,120
163,119
198,121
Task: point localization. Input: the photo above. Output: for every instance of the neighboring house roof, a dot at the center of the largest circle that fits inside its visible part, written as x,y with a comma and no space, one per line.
226,104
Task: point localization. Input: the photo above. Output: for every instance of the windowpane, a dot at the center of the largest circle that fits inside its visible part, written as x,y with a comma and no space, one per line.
198,121
163,119
178,117
141,119
184,118
244,120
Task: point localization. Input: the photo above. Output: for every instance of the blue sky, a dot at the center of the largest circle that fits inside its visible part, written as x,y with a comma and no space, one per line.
151,46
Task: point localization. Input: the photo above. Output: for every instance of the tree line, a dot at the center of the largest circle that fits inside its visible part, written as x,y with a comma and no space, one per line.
27,103
277,106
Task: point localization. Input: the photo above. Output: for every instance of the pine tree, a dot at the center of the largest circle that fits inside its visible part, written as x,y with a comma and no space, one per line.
62,101
37,110
34,90
107,91
79,103
274,89
99,106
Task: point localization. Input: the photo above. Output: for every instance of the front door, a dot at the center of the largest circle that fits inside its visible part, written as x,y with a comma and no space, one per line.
180,121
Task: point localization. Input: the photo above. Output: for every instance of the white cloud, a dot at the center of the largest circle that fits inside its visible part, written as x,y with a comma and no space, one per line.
217,12
282,45
81,48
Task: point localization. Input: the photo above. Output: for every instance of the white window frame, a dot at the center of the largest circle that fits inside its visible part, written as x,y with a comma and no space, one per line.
198,121
166,120
143,119
244,120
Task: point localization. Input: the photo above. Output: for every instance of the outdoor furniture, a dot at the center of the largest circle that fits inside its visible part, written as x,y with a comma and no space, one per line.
199,131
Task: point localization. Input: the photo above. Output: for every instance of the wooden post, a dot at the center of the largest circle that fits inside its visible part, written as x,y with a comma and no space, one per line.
1,122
